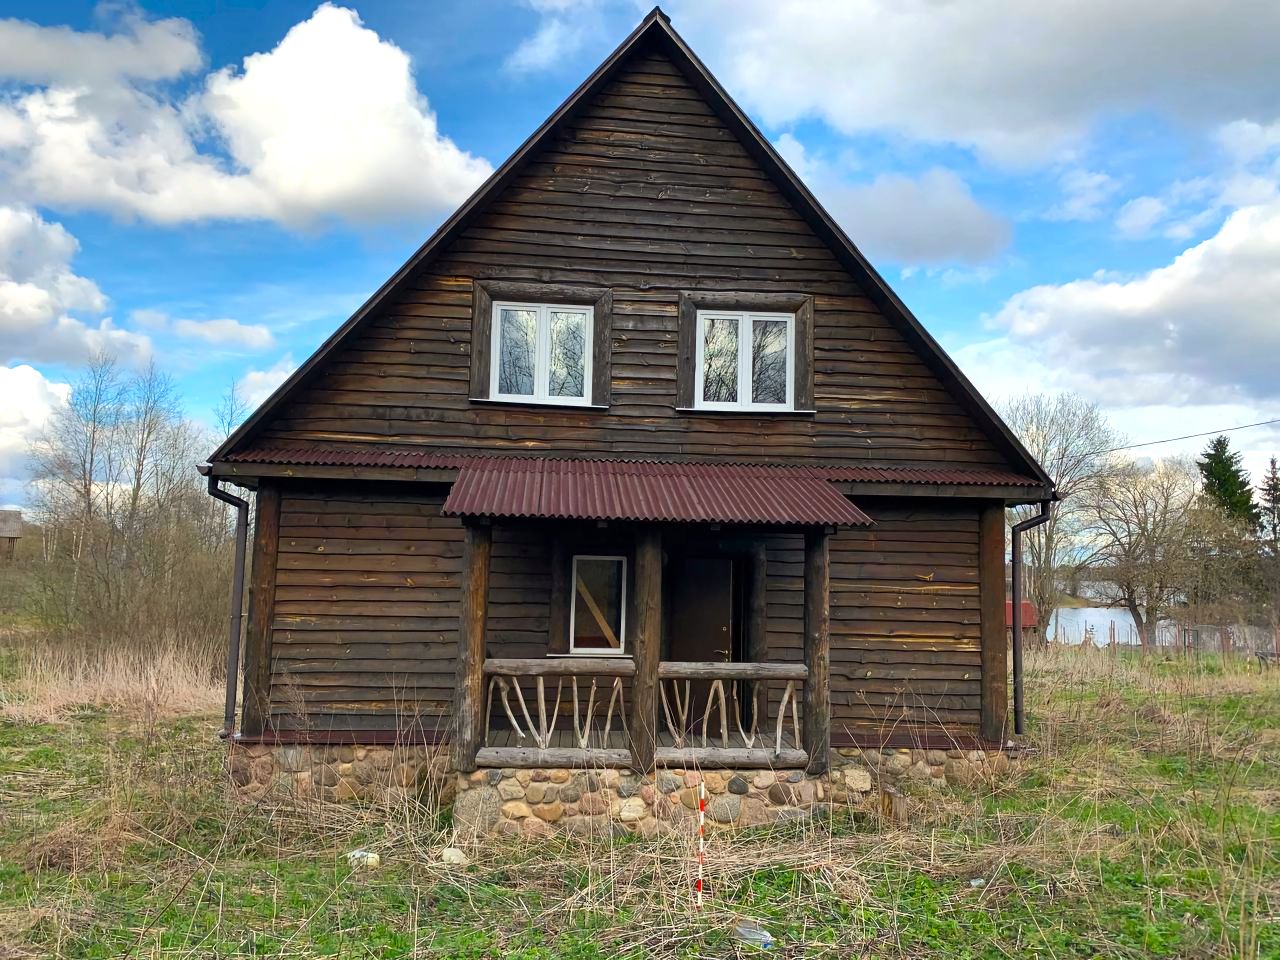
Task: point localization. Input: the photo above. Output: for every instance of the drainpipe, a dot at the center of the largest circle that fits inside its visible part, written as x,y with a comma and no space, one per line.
1042,517
237,595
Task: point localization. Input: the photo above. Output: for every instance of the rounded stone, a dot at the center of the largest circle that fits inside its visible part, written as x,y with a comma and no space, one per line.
628,786
510,790
477,810
668,782
524,777
570,792
593,804
764,780
920,771
714,781
536,792
856,778
632,809
753,813
494,777
516,810
550,812
724,808
689,797
780,794
559,776
897,764
692,778
936,757
533,827
999,764
647,793
738,785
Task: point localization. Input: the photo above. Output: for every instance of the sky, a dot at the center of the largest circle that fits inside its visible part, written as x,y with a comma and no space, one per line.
1072,196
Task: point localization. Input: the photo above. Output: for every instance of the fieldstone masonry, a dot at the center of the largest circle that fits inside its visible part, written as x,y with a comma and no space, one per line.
541,802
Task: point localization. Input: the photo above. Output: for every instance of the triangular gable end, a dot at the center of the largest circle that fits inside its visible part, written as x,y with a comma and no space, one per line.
656,34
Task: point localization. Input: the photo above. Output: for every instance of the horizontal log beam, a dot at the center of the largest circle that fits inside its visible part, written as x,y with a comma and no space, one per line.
552,757
726,757
554,666
718,670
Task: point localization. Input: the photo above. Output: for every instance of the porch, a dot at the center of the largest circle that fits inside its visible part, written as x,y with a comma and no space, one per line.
648,703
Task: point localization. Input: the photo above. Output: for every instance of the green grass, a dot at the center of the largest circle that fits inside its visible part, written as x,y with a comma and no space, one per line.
1147,826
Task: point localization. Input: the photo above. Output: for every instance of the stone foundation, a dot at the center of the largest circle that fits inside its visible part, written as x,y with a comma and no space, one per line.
342,771
544,801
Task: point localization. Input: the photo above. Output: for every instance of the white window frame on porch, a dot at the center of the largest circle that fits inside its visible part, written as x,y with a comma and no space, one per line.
541,353
744,319
574,649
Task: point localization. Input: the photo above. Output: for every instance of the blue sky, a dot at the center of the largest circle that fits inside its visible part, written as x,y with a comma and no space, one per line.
1071,197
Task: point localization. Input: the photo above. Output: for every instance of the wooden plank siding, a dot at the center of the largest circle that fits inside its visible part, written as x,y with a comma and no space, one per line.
647,193
367,605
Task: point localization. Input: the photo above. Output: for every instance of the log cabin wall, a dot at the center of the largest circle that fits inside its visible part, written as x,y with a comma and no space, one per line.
365,628
648,194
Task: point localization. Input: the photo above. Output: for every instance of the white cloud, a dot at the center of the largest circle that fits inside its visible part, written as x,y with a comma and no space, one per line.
1139,215
1085,192
1022,84
222,332
142,50
39,292
1201,329
27,400
931,219
1188,347
564,26
328,123
256,385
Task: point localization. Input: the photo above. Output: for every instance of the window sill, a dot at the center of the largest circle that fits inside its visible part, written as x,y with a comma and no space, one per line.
715,412
590,655
544,404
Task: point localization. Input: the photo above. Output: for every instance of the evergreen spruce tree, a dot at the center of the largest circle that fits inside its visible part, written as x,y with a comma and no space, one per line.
1270,494
1226,483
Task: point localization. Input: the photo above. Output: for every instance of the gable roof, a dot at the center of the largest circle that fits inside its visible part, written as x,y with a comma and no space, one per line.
655,29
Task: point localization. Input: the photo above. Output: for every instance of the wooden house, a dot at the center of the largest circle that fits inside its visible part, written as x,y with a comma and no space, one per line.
636,461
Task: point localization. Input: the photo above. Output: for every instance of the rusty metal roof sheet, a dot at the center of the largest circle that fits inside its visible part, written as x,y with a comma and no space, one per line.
636,490
970,476
356,457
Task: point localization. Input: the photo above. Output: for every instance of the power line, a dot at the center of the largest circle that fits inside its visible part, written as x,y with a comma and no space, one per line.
1189,436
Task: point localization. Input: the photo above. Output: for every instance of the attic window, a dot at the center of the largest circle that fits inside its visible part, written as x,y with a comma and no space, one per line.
541,352
745,361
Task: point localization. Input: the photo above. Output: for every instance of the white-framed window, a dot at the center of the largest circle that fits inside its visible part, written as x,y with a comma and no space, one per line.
745,360
598,612
541,353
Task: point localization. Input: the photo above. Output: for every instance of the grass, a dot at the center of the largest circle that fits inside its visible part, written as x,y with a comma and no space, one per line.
1146,823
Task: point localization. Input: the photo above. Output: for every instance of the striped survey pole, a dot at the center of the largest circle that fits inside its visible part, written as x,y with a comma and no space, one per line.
702,840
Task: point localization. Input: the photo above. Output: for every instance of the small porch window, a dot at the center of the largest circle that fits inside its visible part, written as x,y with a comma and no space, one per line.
597,615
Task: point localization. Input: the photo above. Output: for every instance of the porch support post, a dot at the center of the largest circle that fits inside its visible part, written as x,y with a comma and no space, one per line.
477,546
817,649
757,605
995,644
646,647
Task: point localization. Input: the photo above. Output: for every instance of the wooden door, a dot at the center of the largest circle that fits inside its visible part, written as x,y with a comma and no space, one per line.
702,622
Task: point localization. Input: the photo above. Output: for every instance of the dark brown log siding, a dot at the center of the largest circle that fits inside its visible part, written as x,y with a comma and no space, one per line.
646,193
365,622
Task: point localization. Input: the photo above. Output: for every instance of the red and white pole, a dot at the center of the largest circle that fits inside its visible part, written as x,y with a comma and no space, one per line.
702,840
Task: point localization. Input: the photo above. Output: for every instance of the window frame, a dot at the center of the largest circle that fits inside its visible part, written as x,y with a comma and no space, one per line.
542,352
573,649
746,345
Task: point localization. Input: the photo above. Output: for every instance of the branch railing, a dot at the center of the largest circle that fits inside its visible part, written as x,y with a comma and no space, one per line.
733,723
588,701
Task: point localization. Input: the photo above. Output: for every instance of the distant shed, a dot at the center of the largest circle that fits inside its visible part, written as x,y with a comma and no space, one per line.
10,531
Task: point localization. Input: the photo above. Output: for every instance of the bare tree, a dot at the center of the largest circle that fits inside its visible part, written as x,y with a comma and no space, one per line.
1071,438
1142,521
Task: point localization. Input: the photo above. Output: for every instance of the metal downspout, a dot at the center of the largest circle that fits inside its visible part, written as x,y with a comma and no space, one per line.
237,595
1046,506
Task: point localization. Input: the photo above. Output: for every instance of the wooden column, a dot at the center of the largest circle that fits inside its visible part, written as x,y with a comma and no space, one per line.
817,649
646,647
477,545
255,713
991,601
758,625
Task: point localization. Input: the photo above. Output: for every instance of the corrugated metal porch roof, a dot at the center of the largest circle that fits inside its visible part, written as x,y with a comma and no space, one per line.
634,490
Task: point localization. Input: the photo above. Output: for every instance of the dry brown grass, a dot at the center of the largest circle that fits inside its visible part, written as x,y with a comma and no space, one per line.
50,680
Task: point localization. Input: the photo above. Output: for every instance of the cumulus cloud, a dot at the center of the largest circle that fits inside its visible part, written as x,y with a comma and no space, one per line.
1201,330
924,220
222,332
27,400
39,292
256,385
1022,84
327,124
1139,215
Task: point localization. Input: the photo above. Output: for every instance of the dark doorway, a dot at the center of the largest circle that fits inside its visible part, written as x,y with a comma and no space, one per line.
702,624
